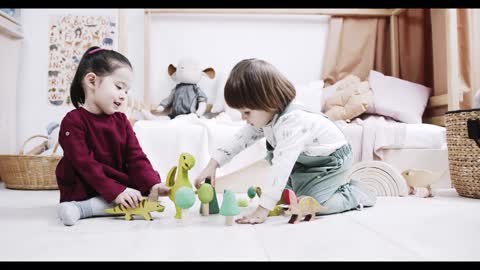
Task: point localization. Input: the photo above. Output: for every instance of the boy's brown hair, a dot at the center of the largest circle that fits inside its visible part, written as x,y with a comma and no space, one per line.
257,85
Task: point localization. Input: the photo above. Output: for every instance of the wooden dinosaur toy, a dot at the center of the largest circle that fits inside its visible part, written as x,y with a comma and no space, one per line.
185,163
303,206
144,208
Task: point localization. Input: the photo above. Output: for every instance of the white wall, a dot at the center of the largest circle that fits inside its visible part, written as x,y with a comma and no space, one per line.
34,112
295,44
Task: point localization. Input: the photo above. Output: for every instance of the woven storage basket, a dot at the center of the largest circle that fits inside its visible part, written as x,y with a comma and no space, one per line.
28,171
463,140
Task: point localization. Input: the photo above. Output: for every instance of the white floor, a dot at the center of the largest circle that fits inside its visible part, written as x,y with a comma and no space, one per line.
446,227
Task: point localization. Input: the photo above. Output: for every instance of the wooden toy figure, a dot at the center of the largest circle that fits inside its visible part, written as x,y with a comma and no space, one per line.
213,205
303,206
185,163
205,194
229,207
144,208
420,182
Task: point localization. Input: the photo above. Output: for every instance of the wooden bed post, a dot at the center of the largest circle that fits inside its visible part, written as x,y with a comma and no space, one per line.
454,97
122,32
146,74
394,45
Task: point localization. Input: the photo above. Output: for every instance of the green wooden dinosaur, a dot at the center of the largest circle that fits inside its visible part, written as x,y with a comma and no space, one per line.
185,163
144,208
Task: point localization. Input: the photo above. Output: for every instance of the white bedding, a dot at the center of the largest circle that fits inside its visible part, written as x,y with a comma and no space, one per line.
164,140
373,134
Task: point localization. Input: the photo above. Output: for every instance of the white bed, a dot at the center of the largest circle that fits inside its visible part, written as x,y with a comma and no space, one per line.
404,146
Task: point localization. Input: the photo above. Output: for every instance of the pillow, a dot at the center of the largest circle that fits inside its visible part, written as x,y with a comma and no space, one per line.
350,100
310,95
399,99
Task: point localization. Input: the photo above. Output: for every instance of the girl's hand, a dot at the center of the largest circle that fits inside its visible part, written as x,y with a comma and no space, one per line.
163,190
129,198
257,217
208,172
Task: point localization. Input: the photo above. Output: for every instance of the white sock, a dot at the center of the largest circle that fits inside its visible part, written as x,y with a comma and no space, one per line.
69,213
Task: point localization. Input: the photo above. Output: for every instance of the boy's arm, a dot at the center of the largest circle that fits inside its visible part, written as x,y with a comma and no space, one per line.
291,137
245,137
74,145
139,169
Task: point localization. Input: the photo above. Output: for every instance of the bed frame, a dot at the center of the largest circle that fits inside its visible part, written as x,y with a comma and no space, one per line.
452,99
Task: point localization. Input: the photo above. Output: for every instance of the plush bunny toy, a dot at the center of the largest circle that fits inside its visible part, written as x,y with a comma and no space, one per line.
186,97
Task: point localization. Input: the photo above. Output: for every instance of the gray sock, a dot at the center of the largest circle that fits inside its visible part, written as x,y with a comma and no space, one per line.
69,213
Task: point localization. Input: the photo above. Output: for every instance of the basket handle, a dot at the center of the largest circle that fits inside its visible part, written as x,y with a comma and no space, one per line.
473,126
27,140
54,149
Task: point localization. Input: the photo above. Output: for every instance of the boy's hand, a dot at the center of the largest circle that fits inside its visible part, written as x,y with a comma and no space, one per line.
208,172
257,217
129,198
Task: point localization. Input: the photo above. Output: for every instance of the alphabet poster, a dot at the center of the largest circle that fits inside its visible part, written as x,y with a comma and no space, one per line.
69,37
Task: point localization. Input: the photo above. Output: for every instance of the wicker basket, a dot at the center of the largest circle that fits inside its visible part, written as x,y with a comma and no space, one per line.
463,140
28,171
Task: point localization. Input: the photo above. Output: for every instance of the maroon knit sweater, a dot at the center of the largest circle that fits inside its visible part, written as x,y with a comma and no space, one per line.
102,157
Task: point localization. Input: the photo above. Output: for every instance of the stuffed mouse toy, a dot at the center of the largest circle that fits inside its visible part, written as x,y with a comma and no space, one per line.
186,97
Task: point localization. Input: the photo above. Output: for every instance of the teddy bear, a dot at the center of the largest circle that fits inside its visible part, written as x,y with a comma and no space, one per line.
351,98
186,97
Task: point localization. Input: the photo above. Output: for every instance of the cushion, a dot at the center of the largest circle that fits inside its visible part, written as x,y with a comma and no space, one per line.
351,98
396,98
310,95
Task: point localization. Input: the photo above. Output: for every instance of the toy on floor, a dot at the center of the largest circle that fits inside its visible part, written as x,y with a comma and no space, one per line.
242,202
254,190
185,163
420,182
144,208
213,205
184,197
205,194
303,206
257,191
229,207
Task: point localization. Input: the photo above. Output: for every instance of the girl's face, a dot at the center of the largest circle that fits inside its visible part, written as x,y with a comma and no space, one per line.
256,118
109,93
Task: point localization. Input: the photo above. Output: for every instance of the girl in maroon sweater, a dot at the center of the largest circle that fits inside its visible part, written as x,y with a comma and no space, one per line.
103,162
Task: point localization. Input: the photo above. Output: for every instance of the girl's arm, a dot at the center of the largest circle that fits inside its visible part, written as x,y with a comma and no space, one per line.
74,145
139,169
245,137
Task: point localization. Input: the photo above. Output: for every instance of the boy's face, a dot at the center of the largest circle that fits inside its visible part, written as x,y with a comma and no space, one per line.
111,91
256,118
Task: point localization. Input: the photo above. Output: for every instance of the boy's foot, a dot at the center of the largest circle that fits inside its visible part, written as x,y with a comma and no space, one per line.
366,198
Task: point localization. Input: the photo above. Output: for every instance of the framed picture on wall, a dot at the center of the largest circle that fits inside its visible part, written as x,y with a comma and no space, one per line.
69,37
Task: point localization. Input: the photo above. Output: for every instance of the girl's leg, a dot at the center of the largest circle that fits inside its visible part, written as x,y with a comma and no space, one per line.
71,212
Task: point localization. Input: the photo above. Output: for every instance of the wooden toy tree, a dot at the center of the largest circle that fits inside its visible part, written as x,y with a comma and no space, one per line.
213,205
229,207
184,198
205,194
